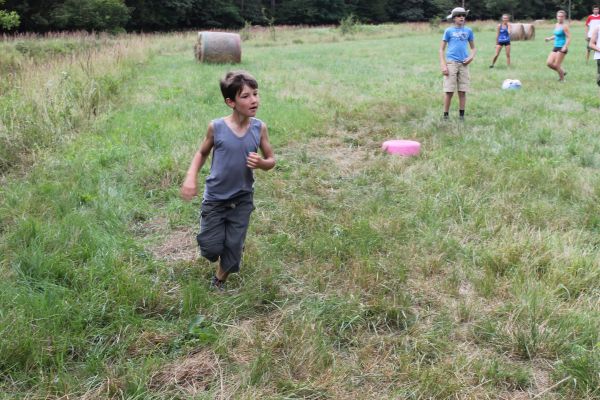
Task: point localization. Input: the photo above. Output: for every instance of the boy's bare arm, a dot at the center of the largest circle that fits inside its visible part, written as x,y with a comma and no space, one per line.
587,31
594,40
443,58
267,161
189,188
473,51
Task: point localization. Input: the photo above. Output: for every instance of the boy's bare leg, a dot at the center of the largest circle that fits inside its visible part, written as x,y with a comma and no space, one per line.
447,101
220,274
462,100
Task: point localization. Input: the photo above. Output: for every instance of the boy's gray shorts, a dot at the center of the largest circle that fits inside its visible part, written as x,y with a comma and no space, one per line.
223,227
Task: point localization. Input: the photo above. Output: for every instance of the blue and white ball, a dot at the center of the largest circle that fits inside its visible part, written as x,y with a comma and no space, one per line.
511,84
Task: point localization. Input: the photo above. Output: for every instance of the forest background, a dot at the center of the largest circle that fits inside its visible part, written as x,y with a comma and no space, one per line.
172,15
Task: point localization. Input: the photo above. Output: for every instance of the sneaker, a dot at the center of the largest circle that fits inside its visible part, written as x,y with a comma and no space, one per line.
217,284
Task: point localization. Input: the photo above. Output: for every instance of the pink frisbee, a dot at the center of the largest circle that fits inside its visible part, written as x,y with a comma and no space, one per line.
402,147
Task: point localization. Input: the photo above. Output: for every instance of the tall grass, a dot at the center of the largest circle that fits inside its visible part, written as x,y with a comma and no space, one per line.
470,271
53,87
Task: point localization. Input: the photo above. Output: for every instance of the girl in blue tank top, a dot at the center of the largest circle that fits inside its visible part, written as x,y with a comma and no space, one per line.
502,39
559,37
562,39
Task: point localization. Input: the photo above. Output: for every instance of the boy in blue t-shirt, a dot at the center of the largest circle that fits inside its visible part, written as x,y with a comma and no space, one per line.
454,60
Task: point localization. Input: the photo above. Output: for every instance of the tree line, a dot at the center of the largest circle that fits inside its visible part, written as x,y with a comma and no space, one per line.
167,15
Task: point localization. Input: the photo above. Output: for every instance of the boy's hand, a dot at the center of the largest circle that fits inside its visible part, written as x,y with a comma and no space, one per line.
253,161
445,70
467,60
189,189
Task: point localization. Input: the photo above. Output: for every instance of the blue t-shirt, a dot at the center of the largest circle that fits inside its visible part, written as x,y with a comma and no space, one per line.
457,39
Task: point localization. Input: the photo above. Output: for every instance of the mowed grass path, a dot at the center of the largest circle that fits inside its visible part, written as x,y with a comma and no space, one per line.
471,271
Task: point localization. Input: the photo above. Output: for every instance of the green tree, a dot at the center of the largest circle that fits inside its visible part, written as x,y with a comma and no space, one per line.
371,10
495,8
8,19
159,15
443,7
35,14
215,14
409,10
99,15
251,10
311,12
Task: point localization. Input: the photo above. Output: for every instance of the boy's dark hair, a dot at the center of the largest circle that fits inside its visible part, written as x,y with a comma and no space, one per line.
595,6
233,83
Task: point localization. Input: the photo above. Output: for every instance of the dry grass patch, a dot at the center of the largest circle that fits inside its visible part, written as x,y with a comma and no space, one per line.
347,151
166,243
177,245
190,375
149,341
110,389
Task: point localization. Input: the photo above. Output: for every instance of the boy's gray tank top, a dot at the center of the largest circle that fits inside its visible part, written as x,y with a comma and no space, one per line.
229,176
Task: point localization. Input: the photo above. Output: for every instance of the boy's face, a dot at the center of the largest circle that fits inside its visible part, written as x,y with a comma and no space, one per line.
246,101
459,19
596,10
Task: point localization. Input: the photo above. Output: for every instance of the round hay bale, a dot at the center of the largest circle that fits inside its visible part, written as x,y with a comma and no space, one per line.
517,32
218,47
529,31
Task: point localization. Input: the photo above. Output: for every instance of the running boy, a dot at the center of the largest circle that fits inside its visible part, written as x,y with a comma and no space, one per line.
455,62
228,191
591,22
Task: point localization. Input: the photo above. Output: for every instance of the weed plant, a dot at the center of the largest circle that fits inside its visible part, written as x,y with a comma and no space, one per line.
470,271
349,25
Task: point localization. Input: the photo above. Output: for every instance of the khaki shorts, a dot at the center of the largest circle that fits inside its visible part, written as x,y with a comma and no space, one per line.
458,77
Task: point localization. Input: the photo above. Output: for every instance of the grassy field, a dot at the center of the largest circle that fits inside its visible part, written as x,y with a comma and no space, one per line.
469,272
